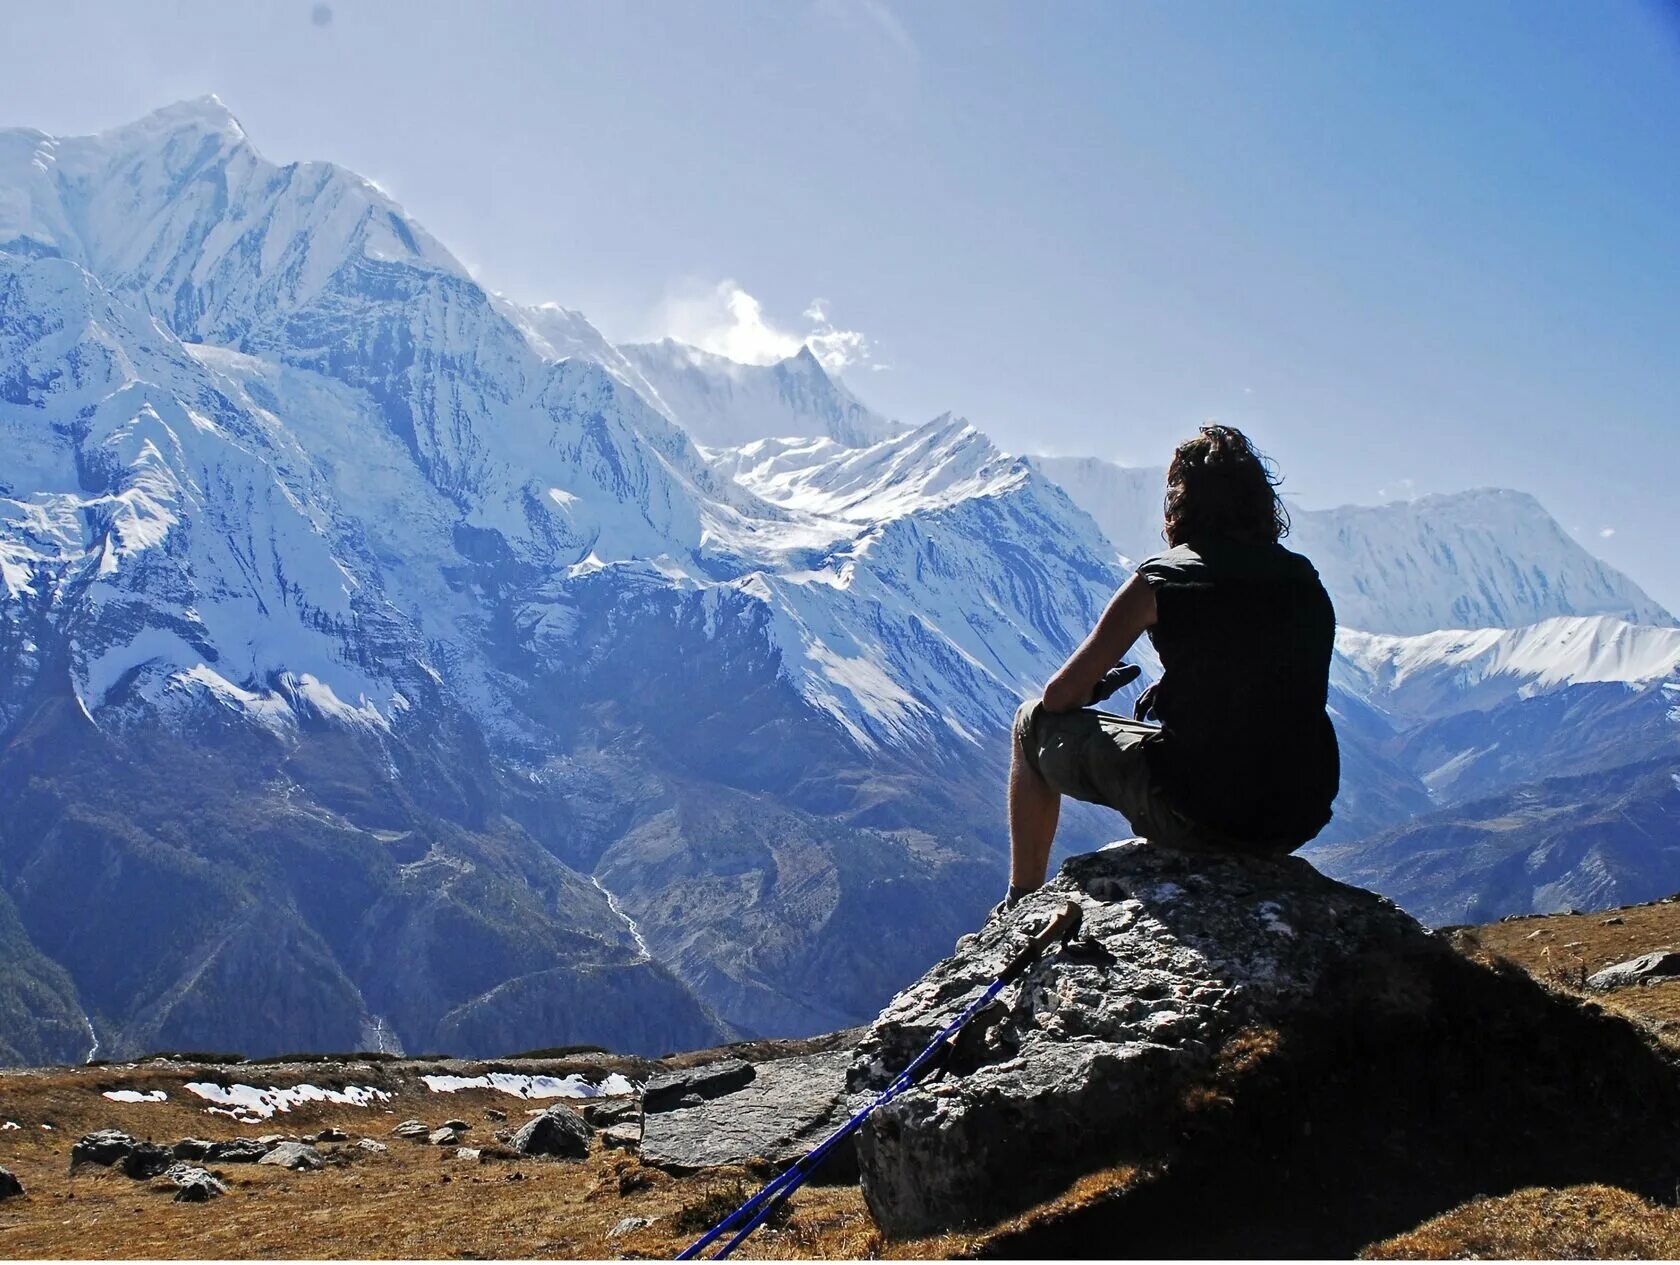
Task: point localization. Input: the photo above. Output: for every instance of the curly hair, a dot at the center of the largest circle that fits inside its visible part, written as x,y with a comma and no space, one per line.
1220,487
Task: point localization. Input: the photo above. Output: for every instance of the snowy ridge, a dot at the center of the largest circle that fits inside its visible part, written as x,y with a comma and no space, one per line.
1440,673
1487,558
723,403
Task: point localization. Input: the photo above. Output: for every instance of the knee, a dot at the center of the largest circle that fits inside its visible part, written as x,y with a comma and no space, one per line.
1026,722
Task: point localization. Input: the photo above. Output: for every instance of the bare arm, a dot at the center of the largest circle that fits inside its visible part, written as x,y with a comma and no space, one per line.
1128,614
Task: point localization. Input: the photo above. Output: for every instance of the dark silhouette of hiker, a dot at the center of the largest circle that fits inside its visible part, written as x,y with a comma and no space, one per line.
1243,756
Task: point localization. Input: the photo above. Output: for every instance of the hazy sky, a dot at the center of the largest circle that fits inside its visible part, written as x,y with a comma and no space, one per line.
1413,247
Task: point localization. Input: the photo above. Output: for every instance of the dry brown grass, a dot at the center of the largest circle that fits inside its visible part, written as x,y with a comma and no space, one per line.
1563,949
416,1201
1580,1222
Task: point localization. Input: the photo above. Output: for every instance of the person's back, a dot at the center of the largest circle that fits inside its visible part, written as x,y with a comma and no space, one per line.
1244,631
1244,756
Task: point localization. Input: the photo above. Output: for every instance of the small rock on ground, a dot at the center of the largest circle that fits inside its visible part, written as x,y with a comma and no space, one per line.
372,1147
622,1137
628,1225
10,1186
104,1146
194,1185
293,1155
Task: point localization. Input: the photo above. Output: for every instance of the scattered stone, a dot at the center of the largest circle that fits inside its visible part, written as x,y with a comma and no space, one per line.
559,1132
191,1149
104,1147
274,1139
10,1186
628,1226
1648,968
330,1134
294,1155
787,1107
470,1153
194,1185
622,1137
444,1137
1215,1055
372,1147
1615,920
145,1159
460,1126
411,1129
495,1113
712,1080
236,1151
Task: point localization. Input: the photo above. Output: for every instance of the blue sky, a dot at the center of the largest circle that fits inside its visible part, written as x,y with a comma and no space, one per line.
1412,247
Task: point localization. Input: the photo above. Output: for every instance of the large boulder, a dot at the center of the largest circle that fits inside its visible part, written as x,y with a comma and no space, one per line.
10,1186
1251,1037
785,1108
559,1132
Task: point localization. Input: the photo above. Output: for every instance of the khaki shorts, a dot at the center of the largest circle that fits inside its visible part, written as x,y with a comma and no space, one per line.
1104,759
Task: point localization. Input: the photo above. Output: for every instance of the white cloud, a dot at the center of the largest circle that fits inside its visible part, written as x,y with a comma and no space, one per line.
727,321
1604,533
1400,490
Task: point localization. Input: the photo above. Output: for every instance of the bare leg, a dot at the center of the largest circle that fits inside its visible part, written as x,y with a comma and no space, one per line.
1034,810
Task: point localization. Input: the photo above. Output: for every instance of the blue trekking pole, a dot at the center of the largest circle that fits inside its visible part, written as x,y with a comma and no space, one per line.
757,1210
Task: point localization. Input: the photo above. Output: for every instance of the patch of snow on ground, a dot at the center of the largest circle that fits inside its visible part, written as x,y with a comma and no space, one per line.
135,1095
263,1103
10,1124
522,1086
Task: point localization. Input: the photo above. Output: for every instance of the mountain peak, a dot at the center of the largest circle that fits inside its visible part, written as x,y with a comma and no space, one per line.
206,114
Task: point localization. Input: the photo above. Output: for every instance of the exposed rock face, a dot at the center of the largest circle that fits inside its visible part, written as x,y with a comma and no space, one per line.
559,1132
784,1109
1648,968
1302,1048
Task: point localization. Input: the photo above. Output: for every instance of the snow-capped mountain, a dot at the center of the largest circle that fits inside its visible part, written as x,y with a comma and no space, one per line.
723,403
435,668
1442,673
286,475
1488,558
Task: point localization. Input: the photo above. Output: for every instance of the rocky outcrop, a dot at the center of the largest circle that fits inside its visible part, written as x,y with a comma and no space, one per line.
1648,968
775,1113
1251,1036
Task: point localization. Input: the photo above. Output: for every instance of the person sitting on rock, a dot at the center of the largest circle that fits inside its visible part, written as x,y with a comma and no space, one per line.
1243,756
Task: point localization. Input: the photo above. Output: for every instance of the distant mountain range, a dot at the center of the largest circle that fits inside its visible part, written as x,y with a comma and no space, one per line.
386,664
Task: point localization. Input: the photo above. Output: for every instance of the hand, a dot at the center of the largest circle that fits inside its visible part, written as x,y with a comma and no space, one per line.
1115,679
1145,705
